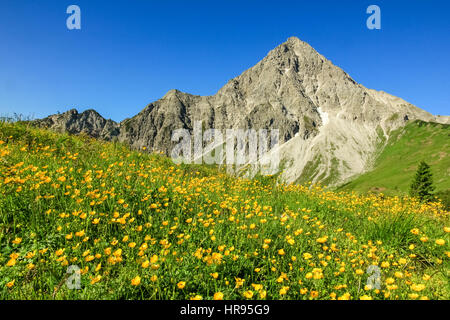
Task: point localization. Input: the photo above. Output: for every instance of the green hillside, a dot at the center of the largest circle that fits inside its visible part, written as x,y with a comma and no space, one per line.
87,219
397,163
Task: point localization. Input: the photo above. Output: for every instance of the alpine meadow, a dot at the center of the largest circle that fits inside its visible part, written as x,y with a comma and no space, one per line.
138,227
158,152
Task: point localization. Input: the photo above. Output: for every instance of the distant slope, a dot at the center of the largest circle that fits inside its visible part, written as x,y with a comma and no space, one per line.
395,166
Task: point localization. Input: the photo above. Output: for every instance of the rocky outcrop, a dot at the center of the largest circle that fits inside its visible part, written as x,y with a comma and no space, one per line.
88,122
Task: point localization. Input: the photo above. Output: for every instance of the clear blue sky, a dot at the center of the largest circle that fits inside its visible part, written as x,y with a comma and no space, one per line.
130,53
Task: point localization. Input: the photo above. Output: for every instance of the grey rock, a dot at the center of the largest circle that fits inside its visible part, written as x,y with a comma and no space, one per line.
326,120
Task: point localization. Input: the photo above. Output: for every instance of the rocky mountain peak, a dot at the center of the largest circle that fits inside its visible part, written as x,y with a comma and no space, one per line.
330,126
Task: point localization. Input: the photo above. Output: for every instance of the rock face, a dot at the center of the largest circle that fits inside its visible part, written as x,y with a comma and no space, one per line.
330,127
88,122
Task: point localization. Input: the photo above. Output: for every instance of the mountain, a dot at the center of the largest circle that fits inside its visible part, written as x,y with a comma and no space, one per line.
331,127
89,122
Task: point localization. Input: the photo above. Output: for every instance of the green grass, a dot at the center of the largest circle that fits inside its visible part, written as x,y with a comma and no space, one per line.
395,166
122,216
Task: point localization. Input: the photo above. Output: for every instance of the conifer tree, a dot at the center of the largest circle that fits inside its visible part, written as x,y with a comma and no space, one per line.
422,185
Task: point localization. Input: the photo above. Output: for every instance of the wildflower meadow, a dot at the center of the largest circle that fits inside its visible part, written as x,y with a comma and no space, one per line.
134,225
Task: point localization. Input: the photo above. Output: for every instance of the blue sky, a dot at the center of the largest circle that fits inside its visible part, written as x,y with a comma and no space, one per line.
130,53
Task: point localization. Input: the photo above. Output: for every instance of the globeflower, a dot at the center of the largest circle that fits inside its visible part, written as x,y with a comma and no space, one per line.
11,283
284,290
417,287
307,256
11,262
136,281
181,284
218,296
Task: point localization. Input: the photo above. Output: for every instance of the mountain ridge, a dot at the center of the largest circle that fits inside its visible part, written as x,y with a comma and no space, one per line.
330,125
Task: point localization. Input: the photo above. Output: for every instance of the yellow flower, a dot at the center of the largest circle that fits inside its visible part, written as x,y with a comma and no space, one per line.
447,229
155,266
281,252
284,290
17,240
322,240
307,256
440,242
136,281
345,296
154,278
11,262
262,294
181,284
257,287
30,254
96,279
89,258
145,264
365,297
80,233
11,283
415,231
218,296
197,297
214,275
417,287
248,294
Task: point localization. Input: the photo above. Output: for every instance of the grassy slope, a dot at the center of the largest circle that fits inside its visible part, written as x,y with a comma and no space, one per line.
396,165
120,214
